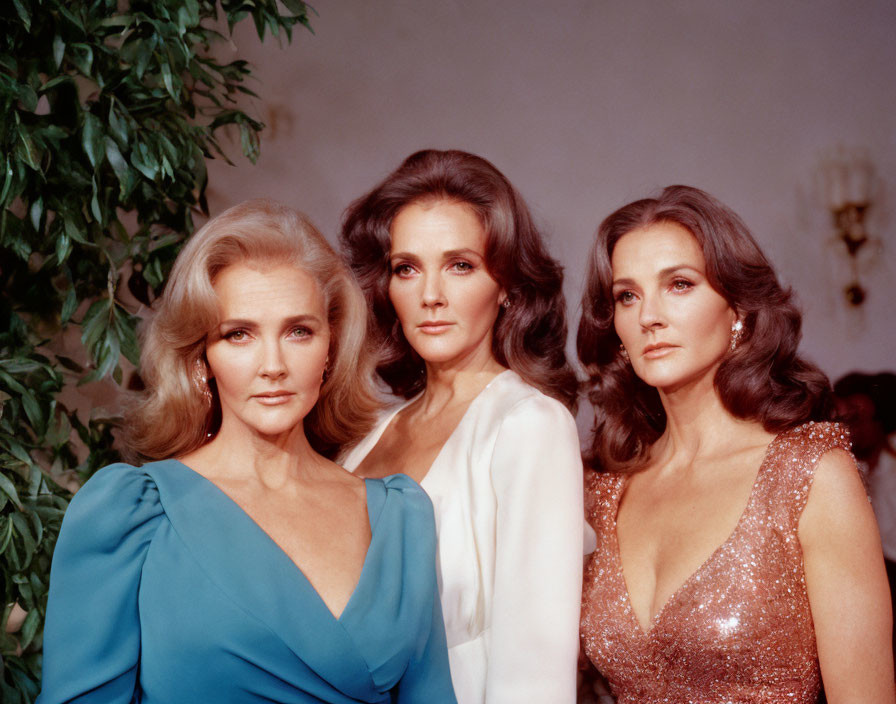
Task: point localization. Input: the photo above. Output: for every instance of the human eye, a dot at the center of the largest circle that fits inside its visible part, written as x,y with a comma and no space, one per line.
462,266
402,270
625,297
681,285
237,335
300,332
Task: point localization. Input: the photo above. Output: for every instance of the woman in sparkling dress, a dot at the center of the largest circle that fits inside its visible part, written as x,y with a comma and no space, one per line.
738,557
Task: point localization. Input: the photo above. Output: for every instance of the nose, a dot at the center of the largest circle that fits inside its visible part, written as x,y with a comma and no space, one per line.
651,315
433,293
272,363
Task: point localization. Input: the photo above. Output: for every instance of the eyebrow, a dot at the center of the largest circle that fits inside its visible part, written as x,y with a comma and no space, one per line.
465,252
292,320
662,273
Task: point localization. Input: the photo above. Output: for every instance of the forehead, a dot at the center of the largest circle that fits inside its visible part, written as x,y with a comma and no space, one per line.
655,248
434,226
255,290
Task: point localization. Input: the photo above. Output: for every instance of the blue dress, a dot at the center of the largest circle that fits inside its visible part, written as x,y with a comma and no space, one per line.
163,590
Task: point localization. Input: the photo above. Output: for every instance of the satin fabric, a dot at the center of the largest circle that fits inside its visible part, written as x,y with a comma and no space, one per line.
507,492
164,590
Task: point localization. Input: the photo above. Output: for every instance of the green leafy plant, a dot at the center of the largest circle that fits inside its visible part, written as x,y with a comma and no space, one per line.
110,110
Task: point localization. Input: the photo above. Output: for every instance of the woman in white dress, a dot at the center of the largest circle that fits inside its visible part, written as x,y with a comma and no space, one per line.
470,320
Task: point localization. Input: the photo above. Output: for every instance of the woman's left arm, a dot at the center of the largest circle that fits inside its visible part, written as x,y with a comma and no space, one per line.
537,476
847,585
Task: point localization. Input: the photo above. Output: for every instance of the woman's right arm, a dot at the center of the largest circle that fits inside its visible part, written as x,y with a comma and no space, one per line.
92,631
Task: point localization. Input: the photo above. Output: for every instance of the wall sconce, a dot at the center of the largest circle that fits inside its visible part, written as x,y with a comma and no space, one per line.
849,180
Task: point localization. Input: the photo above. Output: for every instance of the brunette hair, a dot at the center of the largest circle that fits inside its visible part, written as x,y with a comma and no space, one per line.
530,334
172,417
880,388
763,379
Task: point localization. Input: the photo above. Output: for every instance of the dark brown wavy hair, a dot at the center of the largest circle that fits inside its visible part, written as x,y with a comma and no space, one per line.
530,334
763,379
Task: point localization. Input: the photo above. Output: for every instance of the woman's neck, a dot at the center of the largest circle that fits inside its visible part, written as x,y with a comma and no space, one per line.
240,454
448,386
698,425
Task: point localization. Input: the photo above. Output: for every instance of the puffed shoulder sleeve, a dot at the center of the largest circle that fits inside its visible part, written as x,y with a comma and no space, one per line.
427,677
537,476
92,631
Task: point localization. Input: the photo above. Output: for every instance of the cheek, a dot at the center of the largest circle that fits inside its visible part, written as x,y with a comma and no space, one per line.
225,365
400,296
710,323
623,323
480,302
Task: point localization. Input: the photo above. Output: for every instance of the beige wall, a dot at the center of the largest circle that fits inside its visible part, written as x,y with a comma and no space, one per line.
588,104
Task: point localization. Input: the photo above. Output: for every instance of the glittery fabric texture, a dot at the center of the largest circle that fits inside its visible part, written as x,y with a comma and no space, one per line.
739,629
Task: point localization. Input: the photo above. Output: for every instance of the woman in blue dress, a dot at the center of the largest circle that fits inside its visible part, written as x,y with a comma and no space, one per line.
243,565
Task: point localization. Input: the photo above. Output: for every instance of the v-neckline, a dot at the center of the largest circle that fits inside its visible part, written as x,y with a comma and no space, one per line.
651,626
384,426
371,520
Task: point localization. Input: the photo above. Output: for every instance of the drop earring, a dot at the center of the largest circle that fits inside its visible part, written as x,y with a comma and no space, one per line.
737,332
200,381
623,352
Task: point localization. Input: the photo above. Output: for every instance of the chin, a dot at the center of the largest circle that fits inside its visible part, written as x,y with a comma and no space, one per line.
276,426
669,383
277,429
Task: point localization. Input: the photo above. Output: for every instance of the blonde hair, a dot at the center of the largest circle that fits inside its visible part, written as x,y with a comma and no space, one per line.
173,417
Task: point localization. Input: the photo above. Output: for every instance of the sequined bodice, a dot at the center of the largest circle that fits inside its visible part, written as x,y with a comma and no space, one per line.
739,629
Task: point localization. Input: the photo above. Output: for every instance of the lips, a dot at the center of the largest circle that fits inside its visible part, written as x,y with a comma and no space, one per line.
660,349
274,398
434,327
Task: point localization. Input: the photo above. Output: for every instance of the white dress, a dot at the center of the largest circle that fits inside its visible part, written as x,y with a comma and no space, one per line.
507,493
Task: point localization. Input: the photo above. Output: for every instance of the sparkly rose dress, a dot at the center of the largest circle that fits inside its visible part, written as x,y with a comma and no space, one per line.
739,629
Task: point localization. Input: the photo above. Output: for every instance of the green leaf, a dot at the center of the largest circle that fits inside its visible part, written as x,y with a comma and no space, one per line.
119,166
144,161
7,181
28,96
7,488
54,82
118,126
70,305
11,383
168,79
144,55
126,330
251,145
296,7
63,249
23,13
29,628
34,412
73,231
92,139
95,209
69,364
36,213
5,531
58,50
24,530
95,322
27,151
82,57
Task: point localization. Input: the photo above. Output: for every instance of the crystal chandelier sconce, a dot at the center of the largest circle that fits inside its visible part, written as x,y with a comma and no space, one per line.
848,182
